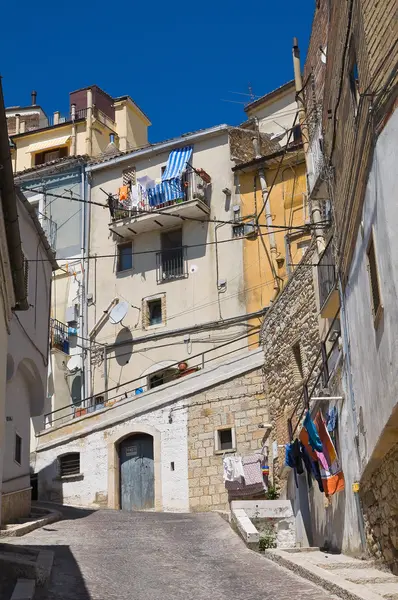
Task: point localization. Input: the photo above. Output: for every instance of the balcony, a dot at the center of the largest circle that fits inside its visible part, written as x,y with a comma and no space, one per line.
140,214
327,282
59,338
171,265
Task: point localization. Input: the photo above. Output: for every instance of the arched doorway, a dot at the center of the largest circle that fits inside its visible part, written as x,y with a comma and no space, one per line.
137,479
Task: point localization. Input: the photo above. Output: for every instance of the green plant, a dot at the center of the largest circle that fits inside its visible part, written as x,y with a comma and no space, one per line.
272,493
267,540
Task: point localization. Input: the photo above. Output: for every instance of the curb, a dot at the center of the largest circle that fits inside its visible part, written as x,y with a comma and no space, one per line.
19,530
24,589
343,589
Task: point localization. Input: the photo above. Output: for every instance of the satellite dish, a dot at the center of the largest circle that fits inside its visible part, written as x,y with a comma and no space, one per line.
118,312
74,363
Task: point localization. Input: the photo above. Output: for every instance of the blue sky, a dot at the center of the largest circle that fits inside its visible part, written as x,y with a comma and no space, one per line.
177,60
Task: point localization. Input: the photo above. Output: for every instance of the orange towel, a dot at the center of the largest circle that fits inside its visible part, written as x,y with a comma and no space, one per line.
331,473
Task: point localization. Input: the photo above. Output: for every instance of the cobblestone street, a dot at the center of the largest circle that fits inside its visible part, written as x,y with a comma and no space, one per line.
111,555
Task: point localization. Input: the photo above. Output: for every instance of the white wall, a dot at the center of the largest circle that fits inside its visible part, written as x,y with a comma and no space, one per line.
189,301
93,450
374,351
276,117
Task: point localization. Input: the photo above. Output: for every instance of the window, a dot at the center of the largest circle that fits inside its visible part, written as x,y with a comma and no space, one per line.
125,257
374,279
155,311
224,439
69,464
297,362
48,155
303,246
18,449
161,377
354,82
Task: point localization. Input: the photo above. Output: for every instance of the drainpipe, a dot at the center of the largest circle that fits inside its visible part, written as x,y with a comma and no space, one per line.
316,215
268,219
73,117
86,221
89,119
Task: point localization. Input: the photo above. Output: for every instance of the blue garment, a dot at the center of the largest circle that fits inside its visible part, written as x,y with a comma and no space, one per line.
332,419
289,459
313,436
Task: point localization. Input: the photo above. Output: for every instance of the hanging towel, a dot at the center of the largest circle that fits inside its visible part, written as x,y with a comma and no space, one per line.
228,470
304,439
237,468
331,473
307,463
289,459
314,439
253,483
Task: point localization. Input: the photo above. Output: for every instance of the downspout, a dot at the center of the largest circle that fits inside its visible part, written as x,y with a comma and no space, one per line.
82,324
86,263
73,117
268,220
316,215
9,204
89,122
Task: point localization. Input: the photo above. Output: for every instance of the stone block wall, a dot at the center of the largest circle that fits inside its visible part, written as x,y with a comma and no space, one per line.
239,403
293,320
379,496
15,505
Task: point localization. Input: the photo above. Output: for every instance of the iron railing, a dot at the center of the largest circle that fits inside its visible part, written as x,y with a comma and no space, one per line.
327,279
171,264
318,376
59,337
50,229
193,188
137,387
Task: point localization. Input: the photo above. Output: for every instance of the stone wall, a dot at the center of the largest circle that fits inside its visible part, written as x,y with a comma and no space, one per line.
239,403
379,496
292,321
15,505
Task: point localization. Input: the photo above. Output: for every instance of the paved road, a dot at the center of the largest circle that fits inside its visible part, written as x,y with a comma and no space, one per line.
112,555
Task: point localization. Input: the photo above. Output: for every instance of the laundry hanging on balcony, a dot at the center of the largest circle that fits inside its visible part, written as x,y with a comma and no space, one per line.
171,188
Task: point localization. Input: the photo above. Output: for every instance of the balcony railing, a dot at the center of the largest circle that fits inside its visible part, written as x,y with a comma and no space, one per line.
50,229
171,265
327,279
193,188
59,337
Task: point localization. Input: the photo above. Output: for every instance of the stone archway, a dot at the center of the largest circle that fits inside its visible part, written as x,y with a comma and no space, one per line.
114,462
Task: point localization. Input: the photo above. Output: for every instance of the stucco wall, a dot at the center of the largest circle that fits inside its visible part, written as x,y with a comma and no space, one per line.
277,116
92,487
189,301
374,350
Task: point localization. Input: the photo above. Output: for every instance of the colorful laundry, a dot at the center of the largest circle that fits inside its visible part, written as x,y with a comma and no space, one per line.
253,483
331,473
313,436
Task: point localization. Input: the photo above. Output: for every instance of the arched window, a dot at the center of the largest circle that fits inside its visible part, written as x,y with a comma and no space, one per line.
69,464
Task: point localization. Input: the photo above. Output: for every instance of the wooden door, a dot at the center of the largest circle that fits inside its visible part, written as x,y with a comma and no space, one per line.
137,482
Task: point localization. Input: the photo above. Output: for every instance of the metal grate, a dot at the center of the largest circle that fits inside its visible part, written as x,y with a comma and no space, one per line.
69,464
171,264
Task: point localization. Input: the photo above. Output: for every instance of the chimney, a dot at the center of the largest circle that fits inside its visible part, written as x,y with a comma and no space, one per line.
17,123
56,117
73,111
34,96
23,127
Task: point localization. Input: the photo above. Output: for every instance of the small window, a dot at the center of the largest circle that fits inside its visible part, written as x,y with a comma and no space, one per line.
18,449
225,439
69,464
297,362
160,378
374,278
155,312
125,257
43,157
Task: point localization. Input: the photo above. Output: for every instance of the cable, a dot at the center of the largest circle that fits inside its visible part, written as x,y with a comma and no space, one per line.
64,197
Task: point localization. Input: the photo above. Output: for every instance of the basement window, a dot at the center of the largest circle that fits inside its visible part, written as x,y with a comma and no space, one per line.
374,281
224,440
69,464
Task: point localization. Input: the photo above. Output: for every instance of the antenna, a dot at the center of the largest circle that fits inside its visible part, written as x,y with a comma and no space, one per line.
118,312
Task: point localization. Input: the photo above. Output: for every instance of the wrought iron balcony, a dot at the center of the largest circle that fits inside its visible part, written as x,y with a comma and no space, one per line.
327,283
171,265
59,337
138,214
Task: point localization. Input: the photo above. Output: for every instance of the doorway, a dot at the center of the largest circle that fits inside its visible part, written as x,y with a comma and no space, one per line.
137,480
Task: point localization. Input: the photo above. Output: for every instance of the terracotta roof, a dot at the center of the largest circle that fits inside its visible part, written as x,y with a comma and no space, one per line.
270,95
58,162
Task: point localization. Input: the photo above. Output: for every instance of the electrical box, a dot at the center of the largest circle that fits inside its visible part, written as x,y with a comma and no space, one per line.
72,313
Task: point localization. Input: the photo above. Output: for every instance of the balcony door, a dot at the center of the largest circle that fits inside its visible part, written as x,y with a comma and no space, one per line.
172,256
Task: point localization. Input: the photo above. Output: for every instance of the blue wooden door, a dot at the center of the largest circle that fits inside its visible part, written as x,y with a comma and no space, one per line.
137,489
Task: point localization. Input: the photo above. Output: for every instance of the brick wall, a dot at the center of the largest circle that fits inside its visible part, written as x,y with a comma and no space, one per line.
293,319
379,496
239,403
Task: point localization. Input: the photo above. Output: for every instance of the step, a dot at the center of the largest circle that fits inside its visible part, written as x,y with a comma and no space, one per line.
24,589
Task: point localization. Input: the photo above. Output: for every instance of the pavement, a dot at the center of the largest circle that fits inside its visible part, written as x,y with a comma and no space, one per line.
348,577
115,555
